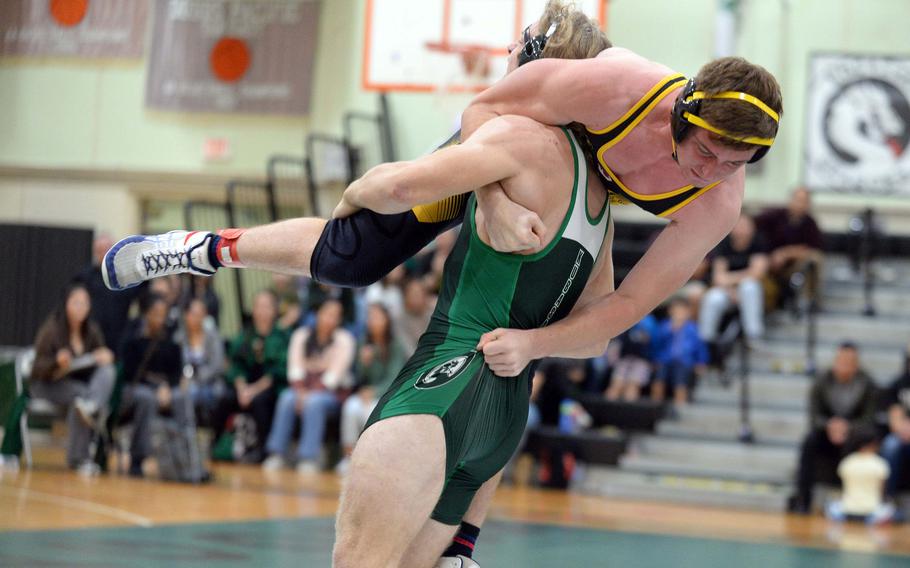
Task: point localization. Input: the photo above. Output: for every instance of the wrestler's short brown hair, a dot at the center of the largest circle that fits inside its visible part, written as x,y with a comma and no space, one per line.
740,119
576,35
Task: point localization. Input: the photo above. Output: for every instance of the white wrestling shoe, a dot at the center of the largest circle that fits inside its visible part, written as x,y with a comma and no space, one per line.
456,562
138,258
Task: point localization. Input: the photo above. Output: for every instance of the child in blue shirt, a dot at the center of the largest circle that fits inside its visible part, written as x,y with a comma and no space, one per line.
632,360
679,352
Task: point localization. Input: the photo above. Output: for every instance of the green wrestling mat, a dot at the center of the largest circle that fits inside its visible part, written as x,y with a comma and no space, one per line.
308,542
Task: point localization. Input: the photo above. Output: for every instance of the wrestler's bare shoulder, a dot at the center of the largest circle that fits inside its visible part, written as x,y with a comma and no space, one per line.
631,76
623,59
519,132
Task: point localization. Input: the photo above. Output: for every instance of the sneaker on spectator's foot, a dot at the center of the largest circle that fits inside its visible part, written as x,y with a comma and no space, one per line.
87,410
88,468
343,466
456,562
136,468
307,467
138,258
273,463
9,462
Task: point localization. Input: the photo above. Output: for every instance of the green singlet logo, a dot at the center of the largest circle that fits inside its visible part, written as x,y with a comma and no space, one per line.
444,373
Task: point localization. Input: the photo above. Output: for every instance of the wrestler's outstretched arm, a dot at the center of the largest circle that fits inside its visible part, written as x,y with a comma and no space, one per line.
559,92
491,156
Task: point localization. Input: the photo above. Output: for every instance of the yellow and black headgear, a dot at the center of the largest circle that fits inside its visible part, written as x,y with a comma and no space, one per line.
685,114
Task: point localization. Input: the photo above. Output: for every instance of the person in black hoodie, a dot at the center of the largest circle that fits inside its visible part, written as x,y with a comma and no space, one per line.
152,365
896,447
841,400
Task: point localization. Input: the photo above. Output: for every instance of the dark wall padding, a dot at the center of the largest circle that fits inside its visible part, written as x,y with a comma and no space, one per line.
36,264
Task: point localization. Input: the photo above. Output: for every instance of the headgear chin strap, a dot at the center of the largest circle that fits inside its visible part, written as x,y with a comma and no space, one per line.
685,113
533,46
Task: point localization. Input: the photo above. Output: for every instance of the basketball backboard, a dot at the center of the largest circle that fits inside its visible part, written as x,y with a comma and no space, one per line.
402,39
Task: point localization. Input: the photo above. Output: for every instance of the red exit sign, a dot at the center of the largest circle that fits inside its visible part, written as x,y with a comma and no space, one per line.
216,149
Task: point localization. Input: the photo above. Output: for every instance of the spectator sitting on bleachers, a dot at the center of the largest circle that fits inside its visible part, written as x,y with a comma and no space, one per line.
202,288
418,307
562,379
632,369
380,358
169,288
151,371
317,294
110,310
840,400
679,352
286,290
443,245
319,364
694,290
863,473
896,447
203,358
795,244
257,373
74,369
739,264
388,293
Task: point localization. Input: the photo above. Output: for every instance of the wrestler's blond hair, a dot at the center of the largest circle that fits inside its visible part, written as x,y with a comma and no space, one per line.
576,36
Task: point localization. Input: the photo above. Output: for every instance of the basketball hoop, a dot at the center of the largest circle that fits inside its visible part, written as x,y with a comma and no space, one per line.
475,66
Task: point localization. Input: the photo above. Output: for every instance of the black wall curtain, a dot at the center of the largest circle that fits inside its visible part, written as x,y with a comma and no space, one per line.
36,264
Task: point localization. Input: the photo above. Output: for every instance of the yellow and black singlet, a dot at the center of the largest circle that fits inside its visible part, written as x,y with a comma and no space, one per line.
661,204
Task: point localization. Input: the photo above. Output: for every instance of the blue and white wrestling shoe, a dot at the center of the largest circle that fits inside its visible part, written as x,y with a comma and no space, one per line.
138,258
456,562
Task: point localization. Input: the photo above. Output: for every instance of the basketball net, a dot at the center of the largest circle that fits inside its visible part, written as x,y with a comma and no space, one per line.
459,83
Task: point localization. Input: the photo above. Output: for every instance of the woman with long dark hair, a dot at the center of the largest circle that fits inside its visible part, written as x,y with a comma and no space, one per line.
380,357
74,369
319,364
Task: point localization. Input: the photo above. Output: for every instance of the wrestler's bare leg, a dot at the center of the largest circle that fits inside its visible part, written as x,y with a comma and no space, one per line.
435,537
396,478
285,246
480,505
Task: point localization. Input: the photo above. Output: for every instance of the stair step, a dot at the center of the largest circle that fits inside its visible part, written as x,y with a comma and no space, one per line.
882,363
730,471
850,299
761,396
888,331
723,424
714,452
684,489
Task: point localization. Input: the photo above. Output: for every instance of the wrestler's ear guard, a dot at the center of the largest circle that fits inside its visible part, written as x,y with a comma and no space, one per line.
533,46
685,113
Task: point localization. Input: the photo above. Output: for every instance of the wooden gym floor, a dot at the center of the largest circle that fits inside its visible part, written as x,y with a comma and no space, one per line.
246,517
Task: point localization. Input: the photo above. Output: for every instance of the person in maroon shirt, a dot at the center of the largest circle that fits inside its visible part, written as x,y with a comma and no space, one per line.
795,244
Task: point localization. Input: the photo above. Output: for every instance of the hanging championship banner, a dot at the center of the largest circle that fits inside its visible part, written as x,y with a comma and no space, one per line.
858,125
253,56
77,28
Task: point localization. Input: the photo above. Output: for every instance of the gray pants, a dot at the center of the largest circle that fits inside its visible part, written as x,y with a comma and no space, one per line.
354,415
63,393
751,298
140,401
